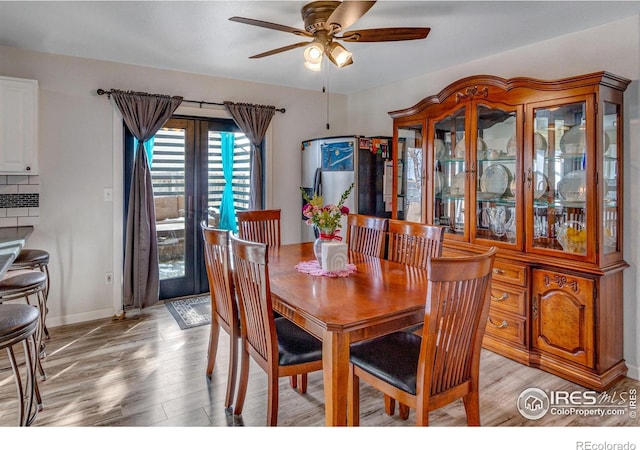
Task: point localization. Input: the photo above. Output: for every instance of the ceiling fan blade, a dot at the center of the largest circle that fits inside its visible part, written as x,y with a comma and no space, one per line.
347,13
280,50
271,26
385,34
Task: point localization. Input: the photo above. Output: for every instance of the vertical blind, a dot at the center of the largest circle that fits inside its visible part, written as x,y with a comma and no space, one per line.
167,167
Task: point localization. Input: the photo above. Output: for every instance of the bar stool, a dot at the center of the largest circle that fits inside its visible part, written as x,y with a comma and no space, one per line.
28,284
19,324
34,259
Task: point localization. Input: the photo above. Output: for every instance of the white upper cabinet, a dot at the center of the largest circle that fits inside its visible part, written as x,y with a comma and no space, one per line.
18,126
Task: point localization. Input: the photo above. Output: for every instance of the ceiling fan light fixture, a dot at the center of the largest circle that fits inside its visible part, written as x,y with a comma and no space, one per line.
339,55
313,66
313,53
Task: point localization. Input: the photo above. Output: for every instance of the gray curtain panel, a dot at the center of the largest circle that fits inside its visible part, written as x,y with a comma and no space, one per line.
253,120
144,114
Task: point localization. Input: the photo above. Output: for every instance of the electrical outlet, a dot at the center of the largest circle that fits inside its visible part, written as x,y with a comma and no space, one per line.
108,278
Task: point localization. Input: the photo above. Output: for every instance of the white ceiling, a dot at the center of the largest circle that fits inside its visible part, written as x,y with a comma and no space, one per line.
197,37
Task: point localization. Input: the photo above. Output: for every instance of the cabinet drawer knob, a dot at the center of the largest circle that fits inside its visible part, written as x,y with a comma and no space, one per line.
28,168
504,323
499,271
502,298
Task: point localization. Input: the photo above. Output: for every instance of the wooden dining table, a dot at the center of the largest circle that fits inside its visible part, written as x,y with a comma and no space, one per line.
380,297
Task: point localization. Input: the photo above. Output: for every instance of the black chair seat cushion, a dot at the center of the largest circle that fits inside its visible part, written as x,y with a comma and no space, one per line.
393,358
28,257
15,318
15,284
295,345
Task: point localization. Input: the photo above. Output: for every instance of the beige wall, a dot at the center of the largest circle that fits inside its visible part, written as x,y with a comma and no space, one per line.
81,154
614,47
81,140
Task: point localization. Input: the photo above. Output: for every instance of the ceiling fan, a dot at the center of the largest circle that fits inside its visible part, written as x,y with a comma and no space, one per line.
323,21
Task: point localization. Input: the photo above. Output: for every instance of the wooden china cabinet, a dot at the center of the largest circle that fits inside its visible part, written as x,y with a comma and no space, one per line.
535,168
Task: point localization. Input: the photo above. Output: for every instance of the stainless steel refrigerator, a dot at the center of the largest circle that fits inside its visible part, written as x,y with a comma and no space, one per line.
331,164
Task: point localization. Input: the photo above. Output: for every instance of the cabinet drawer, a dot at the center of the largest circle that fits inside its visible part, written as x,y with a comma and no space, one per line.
505,297
506,326
509,272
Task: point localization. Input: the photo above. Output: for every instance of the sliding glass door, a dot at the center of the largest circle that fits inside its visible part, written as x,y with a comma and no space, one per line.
188,181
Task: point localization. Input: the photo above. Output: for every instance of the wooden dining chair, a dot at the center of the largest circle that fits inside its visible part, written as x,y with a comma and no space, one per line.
263,225
277,345
430,371
260,225
366,234
413,244
224,307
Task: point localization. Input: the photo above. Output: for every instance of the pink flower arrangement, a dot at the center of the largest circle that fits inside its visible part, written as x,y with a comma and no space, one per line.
326,217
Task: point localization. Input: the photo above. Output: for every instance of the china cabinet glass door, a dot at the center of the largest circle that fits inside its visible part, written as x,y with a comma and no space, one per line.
610,167
495,170
450,173
558,179
410,179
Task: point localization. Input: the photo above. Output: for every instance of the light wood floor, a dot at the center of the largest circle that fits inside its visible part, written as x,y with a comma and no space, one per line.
145,371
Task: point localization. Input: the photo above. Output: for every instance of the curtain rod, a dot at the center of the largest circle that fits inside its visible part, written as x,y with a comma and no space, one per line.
200,102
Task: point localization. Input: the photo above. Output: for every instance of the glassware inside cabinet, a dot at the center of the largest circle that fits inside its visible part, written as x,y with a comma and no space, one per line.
450,172
410,182
558,178
610,176
495,172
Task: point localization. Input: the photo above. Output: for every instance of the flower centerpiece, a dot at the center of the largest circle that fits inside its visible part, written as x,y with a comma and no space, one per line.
326,218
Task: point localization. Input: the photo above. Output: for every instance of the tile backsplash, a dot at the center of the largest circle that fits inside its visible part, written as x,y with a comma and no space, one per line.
19,200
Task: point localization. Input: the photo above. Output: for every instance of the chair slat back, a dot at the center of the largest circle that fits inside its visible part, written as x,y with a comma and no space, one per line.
261,225
221,289
366,234
251,278
455,318
413,243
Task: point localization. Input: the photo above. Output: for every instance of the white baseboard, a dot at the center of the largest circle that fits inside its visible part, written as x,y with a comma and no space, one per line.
77,318
634,372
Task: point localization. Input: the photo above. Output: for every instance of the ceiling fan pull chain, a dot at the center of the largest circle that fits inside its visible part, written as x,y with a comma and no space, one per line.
325,89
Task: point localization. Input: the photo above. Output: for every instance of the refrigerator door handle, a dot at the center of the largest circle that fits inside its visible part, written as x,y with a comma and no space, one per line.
317,182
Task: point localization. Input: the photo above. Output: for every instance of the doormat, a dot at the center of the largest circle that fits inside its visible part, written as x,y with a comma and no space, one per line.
190,312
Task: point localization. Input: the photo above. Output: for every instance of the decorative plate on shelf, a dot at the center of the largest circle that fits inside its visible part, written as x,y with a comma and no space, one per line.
572,187
495,179
574,142
540,144
460,149
457,184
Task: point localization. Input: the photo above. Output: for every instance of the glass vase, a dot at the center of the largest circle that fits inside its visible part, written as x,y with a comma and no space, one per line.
325,235
510,226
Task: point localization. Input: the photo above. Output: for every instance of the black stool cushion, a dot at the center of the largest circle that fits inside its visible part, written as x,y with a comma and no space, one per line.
31,257
295,345
392,358
26,281
14,318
